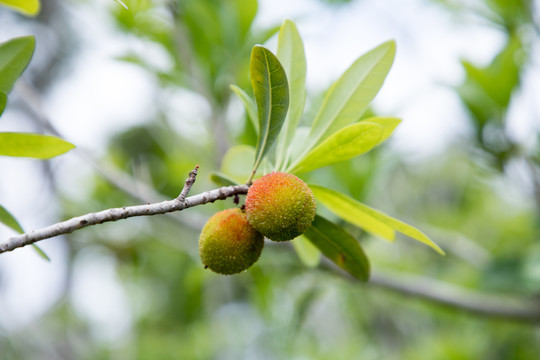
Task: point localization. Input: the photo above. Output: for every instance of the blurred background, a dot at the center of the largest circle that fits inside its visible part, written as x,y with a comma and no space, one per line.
144,95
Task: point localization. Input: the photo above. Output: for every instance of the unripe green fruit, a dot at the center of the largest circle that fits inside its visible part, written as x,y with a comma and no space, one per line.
228,244
280,206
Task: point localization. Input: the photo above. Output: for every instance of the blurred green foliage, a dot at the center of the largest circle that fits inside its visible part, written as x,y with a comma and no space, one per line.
466,200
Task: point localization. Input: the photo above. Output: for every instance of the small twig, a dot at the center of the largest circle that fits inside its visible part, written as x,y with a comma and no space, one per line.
189,183
79,222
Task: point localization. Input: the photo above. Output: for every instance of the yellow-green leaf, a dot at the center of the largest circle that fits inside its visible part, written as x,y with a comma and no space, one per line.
350,141
26,7
349,97
388,124
348,210
371,220
32,145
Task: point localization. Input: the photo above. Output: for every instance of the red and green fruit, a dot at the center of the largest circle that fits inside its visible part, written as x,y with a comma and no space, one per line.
228,244
280,206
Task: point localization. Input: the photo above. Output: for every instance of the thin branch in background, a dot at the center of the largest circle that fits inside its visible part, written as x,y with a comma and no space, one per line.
492,305
521,309
488,305
180,203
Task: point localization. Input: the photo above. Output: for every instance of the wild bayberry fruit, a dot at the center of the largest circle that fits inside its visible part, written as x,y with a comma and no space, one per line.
228,244
280,206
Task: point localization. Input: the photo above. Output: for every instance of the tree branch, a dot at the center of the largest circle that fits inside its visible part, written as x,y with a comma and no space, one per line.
180,203
493,305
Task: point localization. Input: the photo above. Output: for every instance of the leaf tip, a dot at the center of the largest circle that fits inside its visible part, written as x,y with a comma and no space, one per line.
439,250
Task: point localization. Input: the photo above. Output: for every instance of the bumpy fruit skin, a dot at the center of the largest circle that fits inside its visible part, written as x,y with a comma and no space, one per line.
280,206
228,244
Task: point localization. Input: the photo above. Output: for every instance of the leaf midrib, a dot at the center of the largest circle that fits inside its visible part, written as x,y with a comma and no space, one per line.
267,128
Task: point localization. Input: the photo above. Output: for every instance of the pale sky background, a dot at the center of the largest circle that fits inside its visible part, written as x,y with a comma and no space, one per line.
101,96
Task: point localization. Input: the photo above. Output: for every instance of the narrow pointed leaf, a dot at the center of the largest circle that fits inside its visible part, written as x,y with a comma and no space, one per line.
291,55
32,145
249,106
26,7
41,253
344,144
367,217
271,95
308,253
340,205
388,124
3,101
339,246
15,55
9,220
350,96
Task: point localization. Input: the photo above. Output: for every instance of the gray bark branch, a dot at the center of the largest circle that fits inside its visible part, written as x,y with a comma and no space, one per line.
180,203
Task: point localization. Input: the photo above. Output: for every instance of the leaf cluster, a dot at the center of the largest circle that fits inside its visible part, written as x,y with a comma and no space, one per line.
336,134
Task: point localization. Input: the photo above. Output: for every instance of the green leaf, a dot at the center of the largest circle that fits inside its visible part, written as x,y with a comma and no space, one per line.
339,246
291,54
249,105
388,124
272,96
9,220
349,97
222,179
306,251
26,7
41,253
32,145
3,101
15,55
344,144
371,220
